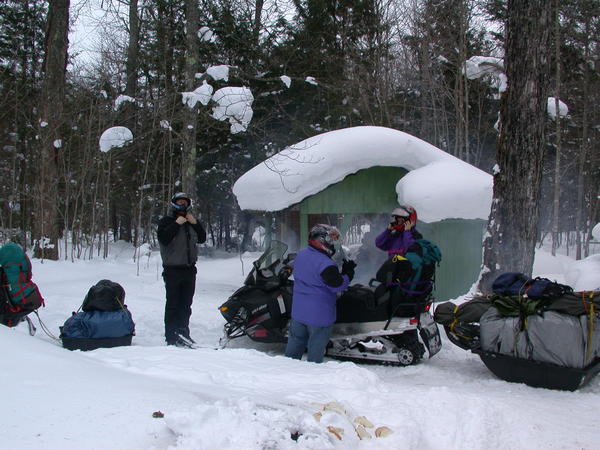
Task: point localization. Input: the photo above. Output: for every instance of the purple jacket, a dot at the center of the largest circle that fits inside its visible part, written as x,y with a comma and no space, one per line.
397,243
313,301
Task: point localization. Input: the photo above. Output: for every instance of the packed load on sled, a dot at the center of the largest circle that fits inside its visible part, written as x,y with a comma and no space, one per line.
104,320
387,321
532,331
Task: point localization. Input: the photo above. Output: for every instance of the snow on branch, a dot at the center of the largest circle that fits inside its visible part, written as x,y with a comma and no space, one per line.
234,104
478,66
201,94
207,35
123,99
114,137
286,80
220,72
311,80
563,110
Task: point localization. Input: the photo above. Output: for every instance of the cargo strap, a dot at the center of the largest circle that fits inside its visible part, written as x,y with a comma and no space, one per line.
455,321
454,318
591,316
46,330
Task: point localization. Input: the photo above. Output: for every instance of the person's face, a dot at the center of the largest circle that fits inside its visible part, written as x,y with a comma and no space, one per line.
334,236
399,219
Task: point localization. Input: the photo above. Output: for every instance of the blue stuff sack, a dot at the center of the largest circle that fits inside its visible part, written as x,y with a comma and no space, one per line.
517,284
98,325
510,283
543,288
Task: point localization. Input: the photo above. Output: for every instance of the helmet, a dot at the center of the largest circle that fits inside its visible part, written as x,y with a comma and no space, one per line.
323,237
406,211
179,196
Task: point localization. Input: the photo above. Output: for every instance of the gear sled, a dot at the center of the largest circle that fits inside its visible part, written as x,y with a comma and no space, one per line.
374,325
553,342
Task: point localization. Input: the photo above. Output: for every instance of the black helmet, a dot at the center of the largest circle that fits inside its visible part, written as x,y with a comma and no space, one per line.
179,196
323,237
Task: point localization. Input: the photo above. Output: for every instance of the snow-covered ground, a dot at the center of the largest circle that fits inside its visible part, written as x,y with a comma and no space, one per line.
250,397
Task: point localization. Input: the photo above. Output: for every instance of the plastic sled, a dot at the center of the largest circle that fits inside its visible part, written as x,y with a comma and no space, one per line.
538,374
86,344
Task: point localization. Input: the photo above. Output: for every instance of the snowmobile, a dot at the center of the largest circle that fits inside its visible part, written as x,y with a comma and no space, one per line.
375,323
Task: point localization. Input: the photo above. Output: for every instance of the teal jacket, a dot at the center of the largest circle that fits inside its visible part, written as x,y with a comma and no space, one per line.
17,272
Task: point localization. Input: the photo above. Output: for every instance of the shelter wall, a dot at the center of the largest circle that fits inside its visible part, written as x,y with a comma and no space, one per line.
369,196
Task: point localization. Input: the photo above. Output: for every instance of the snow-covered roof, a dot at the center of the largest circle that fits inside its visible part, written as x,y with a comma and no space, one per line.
438,185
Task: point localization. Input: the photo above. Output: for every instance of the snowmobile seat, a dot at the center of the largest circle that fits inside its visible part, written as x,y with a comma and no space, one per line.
364,304
382,293
358,304
398,303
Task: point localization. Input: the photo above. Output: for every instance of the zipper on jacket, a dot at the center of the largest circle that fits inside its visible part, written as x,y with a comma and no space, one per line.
187,243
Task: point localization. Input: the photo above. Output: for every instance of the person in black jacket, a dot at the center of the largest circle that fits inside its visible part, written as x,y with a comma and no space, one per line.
178,233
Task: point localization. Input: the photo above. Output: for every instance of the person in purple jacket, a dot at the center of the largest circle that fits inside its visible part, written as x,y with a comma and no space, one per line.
317,280
401,233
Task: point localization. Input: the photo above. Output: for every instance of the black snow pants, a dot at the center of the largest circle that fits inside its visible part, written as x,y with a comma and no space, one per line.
180,284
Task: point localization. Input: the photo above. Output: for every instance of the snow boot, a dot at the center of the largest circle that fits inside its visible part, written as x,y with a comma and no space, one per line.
185,342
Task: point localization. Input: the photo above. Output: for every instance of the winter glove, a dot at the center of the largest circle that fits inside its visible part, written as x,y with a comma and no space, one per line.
191,219
394,228
348,268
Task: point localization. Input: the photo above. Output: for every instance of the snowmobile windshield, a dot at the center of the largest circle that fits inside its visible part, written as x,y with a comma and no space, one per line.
268,264
272,257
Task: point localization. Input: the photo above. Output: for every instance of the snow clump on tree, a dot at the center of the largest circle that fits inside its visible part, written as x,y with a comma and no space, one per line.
115,137
234,104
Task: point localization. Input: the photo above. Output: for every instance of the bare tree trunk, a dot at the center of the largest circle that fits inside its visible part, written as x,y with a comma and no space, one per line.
460,100
556,209
133,49
583,152
123,213
55,66
257,20
190,115
510,240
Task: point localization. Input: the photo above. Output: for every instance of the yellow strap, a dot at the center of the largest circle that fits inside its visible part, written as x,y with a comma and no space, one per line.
454,319
591,322
397,258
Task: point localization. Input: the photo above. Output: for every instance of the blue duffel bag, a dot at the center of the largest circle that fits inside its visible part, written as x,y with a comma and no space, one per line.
89,330
517,284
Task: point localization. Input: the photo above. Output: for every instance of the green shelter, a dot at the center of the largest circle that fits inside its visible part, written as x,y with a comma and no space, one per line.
359,197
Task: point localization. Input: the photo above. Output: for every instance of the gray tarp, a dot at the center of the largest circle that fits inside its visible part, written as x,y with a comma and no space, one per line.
549,337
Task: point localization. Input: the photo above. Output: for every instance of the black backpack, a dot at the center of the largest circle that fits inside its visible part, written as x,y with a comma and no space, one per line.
105,295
